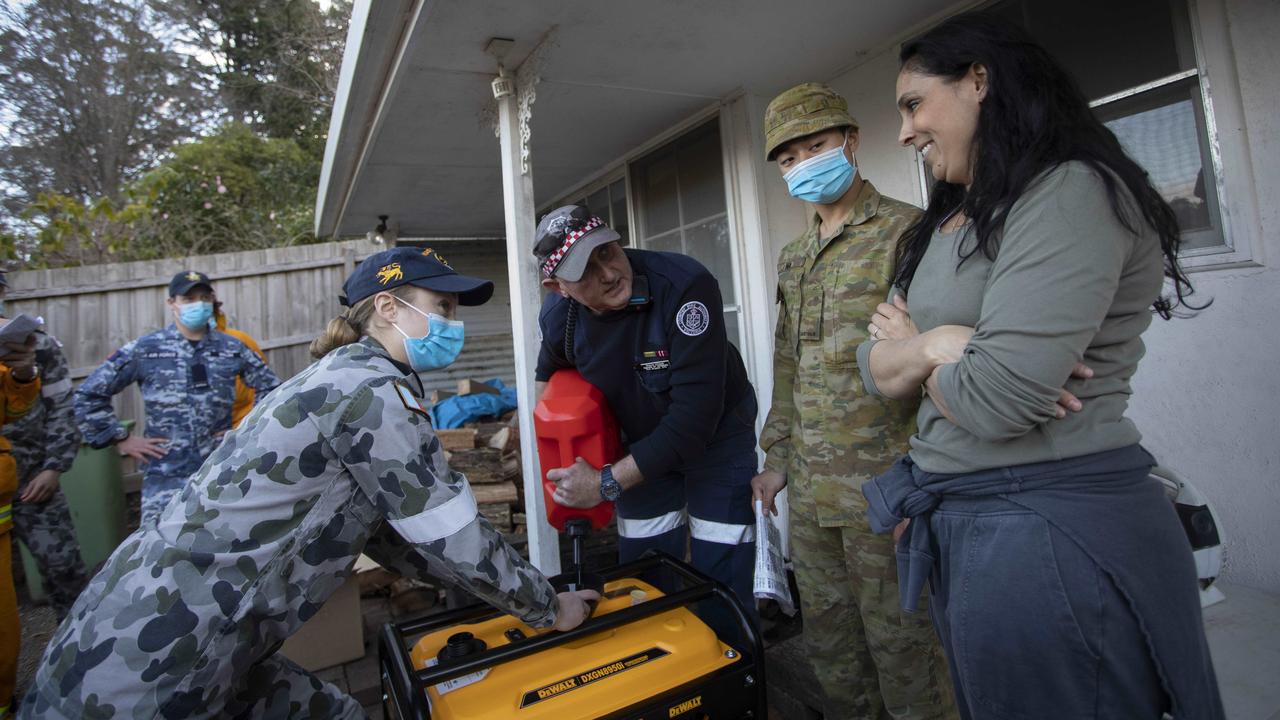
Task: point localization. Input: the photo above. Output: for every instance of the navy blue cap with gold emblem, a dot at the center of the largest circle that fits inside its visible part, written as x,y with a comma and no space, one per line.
421,267
182,283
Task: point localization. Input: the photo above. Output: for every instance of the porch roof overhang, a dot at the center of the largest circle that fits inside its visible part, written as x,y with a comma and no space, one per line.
411,135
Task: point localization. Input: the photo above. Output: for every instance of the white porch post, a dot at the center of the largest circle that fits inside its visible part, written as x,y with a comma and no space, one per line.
743,146
522,272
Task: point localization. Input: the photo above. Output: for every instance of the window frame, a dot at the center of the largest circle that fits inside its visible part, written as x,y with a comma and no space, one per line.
1224,136
1228,144
636,196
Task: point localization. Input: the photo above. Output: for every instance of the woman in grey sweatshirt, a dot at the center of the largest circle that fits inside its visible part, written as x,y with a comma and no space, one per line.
1063,586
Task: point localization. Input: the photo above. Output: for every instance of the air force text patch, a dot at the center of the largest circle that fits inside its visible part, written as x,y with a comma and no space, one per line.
693,318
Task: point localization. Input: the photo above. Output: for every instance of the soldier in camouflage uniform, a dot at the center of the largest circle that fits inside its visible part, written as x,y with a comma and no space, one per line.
185,619
19,393
825,435
45,442
187,374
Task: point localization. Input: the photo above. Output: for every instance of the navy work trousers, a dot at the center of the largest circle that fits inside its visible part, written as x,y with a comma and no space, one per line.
705,507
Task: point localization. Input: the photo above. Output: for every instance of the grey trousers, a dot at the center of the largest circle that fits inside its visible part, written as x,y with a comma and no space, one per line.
1032,627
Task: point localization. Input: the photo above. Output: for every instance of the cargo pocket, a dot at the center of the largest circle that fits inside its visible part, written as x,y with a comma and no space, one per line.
851,302
655,381
790,276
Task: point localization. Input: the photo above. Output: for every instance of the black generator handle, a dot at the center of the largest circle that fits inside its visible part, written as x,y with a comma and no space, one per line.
394,648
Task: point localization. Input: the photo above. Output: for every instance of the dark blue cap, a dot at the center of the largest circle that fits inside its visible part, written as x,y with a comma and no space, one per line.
421,267
182,283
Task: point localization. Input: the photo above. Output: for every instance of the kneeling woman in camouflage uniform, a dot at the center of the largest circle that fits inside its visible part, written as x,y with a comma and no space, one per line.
185,618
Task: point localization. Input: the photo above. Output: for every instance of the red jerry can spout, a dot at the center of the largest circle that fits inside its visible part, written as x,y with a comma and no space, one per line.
573,420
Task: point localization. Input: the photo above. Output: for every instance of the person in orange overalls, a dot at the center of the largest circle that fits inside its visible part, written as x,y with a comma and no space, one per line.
244,394
19,392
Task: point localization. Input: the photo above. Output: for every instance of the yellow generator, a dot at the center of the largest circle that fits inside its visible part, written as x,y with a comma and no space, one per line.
642,654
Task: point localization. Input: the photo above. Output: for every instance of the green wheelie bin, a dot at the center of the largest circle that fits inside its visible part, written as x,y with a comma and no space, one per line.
95,495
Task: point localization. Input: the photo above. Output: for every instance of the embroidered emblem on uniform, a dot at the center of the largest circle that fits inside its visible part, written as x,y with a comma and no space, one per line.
387,273
193,276
429,252
410,402
693,318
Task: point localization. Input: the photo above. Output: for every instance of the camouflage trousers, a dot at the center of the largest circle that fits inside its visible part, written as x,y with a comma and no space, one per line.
273,688
872,660
46,529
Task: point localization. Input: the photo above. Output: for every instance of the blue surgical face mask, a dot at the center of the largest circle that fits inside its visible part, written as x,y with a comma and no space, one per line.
195,315
438,348
823,178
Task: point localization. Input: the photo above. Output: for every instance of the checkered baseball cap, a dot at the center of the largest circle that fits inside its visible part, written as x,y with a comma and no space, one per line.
564,241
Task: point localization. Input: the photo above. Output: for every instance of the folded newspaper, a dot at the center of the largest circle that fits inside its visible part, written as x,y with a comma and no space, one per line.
771,570
16,331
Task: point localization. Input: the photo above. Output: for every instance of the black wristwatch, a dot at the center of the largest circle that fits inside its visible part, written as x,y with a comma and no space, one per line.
609,488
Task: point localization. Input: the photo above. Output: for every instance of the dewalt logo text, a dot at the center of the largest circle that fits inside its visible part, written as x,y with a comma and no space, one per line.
685,707
546,692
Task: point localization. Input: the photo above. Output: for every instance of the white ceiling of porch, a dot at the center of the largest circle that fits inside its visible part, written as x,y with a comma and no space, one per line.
620,72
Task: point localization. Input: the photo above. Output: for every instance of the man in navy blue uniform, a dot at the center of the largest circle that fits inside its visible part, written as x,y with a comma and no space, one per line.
187,373
647,329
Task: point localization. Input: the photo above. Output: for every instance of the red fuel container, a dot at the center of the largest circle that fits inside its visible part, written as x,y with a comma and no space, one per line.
573,420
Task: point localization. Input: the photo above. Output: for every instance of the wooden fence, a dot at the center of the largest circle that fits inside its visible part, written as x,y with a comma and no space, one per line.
282,297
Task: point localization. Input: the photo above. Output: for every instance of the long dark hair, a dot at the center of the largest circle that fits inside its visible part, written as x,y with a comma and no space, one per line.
1033,118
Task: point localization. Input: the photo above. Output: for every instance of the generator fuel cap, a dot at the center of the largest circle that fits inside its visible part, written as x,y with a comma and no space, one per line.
460,645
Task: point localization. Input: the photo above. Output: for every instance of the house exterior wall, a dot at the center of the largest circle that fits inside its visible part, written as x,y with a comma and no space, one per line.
1205,396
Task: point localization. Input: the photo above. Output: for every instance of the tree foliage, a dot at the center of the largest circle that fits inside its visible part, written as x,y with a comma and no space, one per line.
92,94
233,190
276,61
102,108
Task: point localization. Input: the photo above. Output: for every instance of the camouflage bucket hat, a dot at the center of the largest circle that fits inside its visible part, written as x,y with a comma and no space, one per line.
804,109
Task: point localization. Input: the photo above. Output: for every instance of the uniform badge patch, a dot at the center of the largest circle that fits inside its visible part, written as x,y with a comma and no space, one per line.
410,402
693,318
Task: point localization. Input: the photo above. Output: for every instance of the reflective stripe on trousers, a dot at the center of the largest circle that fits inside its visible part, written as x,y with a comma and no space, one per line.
699,529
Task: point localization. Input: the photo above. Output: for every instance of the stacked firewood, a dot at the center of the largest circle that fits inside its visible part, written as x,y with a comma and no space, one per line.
488,453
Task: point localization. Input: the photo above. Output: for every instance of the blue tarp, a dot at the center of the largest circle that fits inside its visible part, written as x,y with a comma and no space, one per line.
457,411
